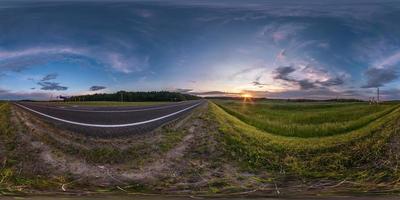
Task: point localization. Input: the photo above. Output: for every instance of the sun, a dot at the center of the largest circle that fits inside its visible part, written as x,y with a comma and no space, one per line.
247,96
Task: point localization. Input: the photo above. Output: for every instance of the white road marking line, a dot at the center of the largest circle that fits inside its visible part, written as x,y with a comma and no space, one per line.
113,111
112,125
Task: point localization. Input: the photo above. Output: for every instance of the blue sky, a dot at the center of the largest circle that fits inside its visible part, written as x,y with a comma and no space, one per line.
275,49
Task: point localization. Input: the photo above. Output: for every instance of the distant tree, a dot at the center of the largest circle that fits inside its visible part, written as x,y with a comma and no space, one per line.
135,96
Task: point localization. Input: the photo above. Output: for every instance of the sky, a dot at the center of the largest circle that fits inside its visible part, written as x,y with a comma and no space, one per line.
274,49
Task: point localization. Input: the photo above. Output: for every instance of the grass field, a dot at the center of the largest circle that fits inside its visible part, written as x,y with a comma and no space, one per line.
111,103
306,119
343,141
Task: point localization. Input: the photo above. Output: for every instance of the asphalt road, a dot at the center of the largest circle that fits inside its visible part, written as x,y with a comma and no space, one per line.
109,121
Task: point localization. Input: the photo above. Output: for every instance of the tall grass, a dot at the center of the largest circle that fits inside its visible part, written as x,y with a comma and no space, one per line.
308,119
335,156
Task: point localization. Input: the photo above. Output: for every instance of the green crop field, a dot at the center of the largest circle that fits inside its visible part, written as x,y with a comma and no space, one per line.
306,119
349,141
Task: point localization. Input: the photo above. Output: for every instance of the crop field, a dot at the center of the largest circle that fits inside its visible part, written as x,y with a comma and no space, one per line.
111,103
341,141
306,119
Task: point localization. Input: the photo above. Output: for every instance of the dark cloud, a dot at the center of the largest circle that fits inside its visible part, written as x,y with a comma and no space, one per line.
215,93
47,85
51,86
283,73
258,83
332,82
390,94
96,88
305,84
378,77
50,77
182,90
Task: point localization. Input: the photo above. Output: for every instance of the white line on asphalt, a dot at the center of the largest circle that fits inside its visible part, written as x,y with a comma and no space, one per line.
112,125
114,111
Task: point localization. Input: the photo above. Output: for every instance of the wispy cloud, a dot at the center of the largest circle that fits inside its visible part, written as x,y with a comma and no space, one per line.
10,95
50,77
17,60
52,86
279,32
97,88
47,85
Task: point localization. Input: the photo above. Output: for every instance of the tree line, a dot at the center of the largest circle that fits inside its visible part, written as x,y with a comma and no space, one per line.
135,96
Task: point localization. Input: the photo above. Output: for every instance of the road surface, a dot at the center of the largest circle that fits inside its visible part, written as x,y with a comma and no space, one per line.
109,121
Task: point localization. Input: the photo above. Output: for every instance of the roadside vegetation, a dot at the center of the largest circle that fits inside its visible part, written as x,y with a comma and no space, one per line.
19,169
306,119
365,155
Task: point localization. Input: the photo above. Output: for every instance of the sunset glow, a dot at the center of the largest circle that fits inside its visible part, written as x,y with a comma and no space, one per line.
247,96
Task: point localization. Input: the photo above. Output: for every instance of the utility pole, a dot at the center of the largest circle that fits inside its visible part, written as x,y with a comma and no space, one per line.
122,97
377,98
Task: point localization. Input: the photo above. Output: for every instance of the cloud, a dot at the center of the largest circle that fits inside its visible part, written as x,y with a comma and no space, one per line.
18,60
378,77
258,83
144,13
282,31
281,55
308,77
51,86
333,81
384,71
50,77
315,93
215,93
361,10
390,94
96,88
181,90
47,85
283,73
9,95
245,71
127,64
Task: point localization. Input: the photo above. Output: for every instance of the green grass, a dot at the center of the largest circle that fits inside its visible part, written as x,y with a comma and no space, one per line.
111,103
352,155
306,119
